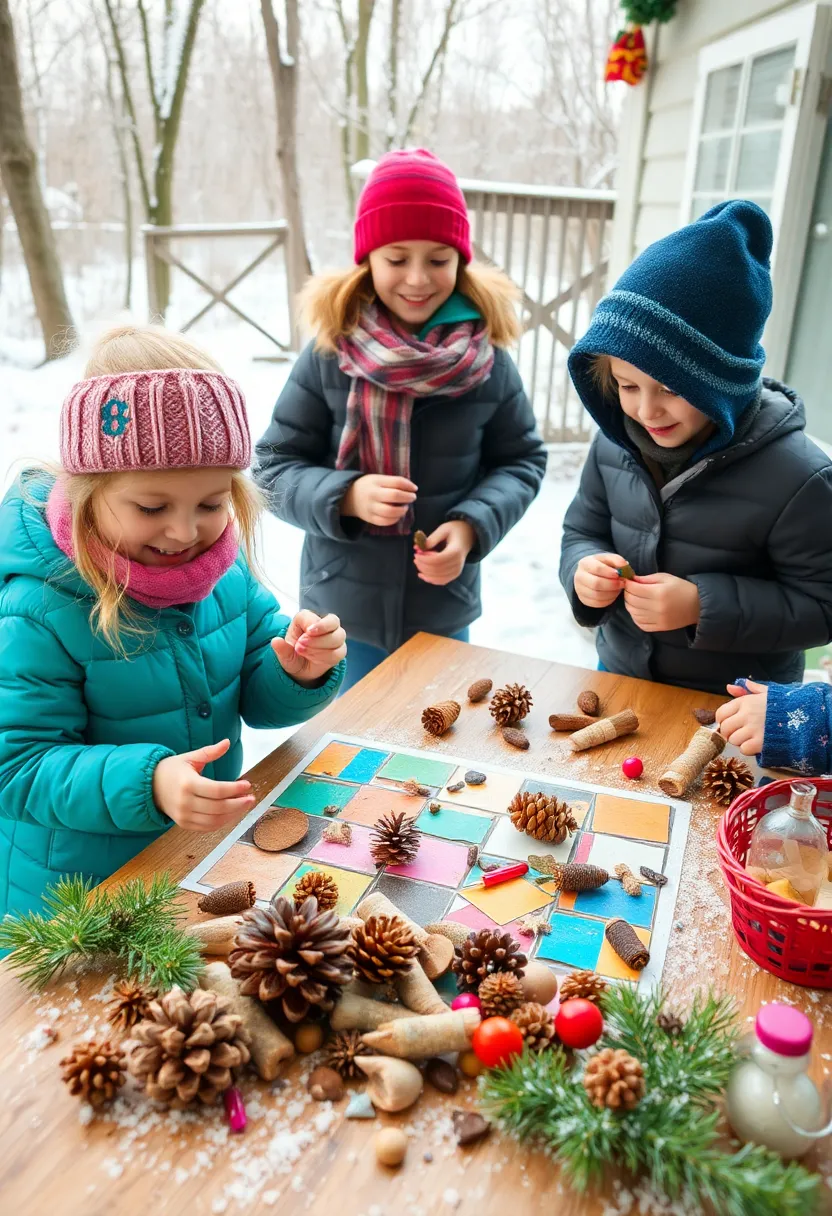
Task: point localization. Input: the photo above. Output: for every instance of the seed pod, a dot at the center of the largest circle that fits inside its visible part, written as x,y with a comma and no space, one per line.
480,689
570,722
588,703
230,898
516,738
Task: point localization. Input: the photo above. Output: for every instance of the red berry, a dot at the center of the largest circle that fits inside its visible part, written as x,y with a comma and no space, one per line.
632,767
496,1042
578,1023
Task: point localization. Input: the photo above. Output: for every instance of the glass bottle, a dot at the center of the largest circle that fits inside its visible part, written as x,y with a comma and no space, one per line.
790,843
770,1099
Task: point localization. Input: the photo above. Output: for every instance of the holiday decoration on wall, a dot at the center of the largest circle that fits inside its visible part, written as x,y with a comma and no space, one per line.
627,61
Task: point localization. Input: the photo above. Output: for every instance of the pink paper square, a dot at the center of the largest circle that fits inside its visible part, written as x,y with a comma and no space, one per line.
472,917
438,861
354,856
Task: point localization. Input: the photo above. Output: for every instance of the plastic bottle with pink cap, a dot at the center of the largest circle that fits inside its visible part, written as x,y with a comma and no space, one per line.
770,1098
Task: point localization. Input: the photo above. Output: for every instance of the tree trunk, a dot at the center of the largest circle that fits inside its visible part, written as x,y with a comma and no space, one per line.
393,75
284,71
18,171
362,92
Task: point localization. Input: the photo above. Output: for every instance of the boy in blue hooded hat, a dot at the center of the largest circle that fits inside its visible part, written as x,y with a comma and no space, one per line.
701,478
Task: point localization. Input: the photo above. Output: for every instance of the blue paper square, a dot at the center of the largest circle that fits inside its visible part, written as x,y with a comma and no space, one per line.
573,940
612,900
311,794
454,825
364,766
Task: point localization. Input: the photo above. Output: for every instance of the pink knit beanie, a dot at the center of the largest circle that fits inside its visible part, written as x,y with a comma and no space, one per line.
172,419
411,196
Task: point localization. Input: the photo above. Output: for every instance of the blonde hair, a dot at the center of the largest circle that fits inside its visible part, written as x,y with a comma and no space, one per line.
331,303
600,369
131,348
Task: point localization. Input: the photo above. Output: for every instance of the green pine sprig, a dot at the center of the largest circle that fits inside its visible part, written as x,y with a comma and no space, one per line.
137,923
643,12
672,1136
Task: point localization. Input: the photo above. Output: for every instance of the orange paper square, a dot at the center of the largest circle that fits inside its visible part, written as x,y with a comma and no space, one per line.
332,760
267,871
507,900
610,965
627,817
371,802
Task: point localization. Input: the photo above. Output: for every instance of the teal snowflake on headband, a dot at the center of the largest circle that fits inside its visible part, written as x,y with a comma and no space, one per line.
115,416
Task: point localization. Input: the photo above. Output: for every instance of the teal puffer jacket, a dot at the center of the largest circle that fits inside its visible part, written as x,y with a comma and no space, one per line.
82,728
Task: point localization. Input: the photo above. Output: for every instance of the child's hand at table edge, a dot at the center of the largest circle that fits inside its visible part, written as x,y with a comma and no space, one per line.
313,645
197,803
442,565
742,722
660,602
597,582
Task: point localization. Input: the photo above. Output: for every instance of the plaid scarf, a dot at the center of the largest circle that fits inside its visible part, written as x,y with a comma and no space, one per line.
389,366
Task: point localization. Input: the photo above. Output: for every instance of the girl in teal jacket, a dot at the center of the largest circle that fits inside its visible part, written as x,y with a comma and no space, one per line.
133,635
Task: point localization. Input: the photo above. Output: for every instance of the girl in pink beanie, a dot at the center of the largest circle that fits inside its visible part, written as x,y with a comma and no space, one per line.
133,634
405,415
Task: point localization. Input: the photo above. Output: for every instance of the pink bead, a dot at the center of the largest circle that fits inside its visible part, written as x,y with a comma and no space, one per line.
466,1000
632,767
235,1111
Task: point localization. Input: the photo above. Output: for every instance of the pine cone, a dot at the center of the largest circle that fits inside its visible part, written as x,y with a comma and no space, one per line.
483,954
395,840
231,897
436,719
579,876
500,994
584,984
510,704
128,1006
383,948
189,1047
341,1053
94,1071
542,816
296,956
670,1023
322,886
615,1079
725,779
536,1025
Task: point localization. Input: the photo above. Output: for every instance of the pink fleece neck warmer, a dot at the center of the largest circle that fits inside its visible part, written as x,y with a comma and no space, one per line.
154,586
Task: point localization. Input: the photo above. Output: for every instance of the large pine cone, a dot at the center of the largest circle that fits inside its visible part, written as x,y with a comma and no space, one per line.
94,1071
536,1025
584,984
543,817
510,704
500,994
322,886
483,954
296,956
615,1079
188,1048
383,948
395,840
725,779
342,1050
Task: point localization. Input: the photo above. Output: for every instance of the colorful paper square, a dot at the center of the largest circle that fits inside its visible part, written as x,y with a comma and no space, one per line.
608,851
632,818
423,769
508,900
455,825
355,856
507,841
466,914
351,886
573,940
364,766
612,900
268,871
372,802
330,761
312,794
494,795
421,901
438,861
610,965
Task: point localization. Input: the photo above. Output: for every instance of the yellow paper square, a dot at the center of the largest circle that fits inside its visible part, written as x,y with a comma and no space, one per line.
494,795
628,817
507,900
610,965
351,886
332,760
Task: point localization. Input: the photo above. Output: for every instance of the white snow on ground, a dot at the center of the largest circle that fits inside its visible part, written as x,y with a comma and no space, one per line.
524,608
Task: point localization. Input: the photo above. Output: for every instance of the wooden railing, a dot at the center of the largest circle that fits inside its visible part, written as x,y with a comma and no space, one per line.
553,243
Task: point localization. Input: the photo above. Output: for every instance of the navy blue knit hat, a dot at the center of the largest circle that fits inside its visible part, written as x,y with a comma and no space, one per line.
689,312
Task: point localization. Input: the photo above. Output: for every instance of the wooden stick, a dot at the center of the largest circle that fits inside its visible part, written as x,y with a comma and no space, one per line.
604,730
418,993
215,936
269,1046
414,1038
570,722
704,747
359,1013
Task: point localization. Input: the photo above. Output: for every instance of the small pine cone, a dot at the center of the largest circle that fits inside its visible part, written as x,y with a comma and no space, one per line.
588,703
439,718
230,898
628,879
342,1050
94,1071
614,1079
500,994
394,840
536,1025
322,886
510,704
128,1006
725,779
484,953
586,985
480,689
383,948
670,1023
579,876
415,788
542,816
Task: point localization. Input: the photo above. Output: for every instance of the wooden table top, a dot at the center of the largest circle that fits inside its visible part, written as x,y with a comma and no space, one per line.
52,1163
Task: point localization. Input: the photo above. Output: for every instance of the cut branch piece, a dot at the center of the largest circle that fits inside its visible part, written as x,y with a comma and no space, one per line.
705,746
215,936
269,1045
627,944
355,1012
604,731
570,722
420,1037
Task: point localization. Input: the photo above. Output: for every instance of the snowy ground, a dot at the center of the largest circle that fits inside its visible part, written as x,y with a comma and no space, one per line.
524,608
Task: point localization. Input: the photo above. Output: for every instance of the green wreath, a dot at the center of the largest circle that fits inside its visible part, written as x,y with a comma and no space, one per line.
643,12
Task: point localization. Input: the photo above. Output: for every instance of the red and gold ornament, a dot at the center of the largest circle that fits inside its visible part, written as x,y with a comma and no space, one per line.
627,59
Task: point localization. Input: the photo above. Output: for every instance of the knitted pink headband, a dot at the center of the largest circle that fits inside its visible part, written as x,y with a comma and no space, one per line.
155,420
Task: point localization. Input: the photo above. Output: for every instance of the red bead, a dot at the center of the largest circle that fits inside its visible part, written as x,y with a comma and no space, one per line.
632,767
496,1042
579,1023
466,1000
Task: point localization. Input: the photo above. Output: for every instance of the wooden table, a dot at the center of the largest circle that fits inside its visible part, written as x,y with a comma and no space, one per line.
52,1164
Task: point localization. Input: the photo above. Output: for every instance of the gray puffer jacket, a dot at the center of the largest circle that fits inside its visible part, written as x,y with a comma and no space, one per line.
477,457
750,525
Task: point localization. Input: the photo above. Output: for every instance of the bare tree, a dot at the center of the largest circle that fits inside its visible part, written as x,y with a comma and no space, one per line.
166,89
454,10
393,74
18,169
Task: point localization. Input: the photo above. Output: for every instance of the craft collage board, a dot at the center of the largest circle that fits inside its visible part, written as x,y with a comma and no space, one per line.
363,779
